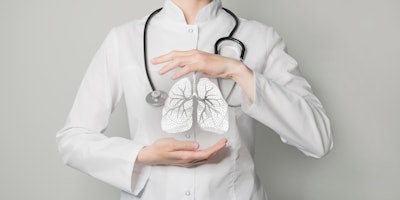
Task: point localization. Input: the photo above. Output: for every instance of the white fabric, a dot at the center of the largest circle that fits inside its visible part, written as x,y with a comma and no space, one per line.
212,109
283,101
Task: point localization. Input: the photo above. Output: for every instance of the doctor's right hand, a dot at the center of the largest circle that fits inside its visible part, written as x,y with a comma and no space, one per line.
169,151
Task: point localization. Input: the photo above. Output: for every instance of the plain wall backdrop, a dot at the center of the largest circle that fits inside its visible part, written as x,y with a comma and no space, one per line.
348,50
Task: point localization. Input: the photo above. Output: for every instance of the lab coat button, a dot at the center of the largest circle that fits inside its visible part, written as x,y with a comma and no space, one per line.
188,135
187,193
190,30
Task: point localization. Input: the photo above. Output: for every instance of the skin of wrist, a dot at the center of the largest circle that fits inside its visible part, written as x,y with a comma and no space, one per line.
242,75
141,157
239,71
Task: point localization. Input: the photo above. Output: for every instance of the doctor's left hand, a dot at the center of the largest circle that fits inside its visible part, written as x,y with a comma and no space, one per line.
195,60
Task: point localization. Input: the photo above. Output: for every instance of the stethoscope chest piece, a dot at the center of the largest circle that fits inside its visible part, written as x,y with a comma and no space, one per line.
156,98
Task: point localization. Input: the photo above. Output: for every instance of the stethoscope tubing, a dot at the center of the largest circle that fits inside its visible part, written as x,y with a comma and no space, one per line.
153,88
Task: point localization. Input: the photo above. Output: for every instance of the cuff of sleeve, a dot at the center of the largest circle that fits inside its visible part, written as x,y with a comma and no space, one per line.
140,173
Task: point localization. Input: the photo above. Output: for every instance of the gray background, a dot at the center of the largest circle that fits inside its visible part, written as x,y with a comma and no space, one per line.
347,49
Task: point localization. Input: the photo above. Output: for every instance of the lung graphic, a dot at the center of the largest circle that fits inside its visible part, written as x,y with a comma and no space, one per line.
185,97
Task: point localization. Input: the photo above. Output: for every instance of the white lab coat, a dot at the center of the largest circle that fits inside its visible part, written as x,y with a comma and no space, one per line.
283,101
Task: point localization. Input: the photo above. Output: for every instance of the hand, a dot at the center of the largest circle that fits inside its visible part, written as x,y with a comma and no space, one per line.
168,151
209,64
194,60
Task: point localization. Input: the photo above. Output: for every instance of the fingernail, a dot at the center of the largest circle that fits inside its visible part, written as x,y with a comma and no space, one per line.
195,145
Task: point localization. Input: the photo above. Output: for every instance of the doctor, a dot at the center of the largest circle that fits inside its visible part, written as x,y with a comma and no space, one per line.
194,164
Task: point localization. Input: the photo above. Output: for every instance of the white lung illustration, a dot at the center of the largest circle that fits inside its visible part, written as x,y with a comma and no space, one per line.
178,108
212,109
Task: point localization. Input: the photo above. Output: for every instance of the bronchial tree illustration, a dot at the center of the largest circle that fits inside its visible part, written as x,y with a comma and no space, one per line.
204,97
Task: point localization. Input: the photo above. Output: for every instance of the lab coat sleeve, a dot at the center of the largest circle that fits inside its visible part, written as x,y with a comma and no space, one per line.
285,102
81,141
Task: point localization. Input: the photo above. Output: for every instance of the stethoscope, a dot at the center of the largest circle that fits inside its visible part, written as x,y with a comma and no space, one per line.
158,97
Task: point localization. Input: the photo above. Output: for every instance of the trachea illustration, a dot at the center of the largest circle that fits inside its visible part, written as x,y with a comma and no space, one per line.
204,97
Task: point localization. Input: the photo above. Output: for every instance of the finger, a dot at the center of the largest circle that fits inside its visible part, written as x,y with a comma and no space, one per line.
169,56
216,147
207,153
185,145
185,70
198,161
201,162
179,61
190,165
170,66
187,157
163,58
